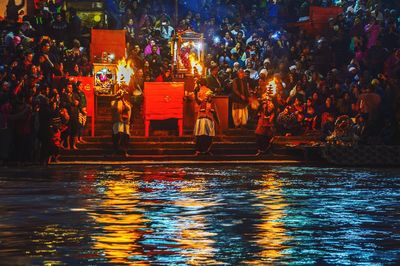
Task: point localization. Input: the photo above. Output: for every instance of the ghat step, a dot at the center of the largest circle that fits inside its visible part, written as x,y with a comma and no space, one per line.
189,157
166,145
182,151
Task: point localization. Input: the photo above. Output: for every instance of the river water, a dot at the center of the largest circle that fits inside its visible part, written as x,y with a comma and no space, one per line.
208,215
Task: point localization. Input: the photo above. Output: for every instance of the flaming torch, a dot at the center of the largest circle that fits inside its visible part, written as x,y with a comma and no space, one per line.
124,72
197,68
272,88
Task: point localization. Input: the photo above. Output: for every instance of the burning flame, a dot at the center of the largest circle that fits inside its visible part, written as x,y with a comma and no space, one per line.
195,65
272,87
124,71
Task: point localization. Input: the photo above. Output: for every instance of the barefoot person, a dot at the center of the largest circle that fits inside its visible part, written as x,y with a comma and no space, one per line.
240,100
264,130
82,115
206,118
121,114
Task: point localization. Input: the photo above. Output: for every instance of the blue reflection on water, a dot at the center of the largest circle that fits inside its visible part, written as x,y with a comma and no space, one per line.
191,215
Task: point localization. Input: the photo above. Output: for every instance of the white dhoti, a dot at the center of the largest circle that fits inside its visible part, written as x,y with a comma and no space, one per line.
204,127
120,127
240,115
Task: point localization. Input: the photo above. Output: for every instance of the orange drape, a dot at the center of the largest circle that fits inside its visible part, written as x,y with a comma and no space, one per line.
110,41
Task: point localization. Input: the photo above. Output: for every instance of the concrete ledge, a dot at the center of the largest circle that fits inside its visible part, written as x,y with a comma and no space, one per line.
173,162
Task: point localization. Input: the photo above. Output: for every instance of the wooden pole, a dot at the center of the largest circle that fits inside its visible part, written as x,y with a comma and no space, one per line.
30,8
176,13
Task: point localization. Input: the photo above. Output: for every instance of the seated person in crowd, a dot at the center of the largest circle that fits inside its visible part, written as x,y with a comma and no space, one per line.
287,124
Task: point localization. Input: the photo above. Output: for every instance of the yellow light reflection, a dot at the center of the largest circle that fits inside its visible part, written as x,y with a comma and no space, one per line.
272,233
197,243
121,224
46,242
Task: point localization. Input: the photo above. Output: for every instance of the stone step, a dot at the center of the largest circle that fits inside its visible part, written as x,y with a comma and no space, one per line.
109,125
158,151
137,135
191,157
184,138
135,131
138,130
108,116
218,149
108,120
166,145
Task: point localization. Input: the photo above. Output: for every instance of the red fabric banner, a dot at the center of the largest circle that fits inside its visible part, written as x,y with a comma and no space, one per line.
319,18
323,14
163,100
110,41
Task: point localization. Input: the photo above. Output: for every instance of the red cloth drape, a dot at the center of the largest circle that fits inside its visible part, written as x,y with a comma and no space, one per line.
110,41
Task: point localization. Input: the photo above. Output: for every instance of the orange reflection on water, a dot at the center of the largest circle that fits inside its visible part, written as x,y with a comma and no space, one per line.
272,234
121,224
197,243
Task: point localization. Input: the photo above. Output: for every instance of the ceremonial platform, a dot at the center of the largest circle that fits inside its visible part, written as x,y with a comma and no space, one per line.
165,144
238,146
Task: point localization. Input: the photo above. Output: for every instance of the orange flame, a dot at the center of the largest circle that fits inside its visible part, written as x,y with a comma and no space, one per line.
124,71
272,87
195,65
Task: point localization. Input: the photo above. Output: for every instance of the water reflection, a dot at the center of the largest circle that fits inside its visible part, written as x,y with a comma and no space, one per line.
200,216
271,233
195,239
120,222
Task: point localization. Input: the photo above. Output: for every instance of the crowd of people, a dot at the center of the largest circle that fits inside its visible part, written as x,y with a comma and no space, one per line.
350,69
41,109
